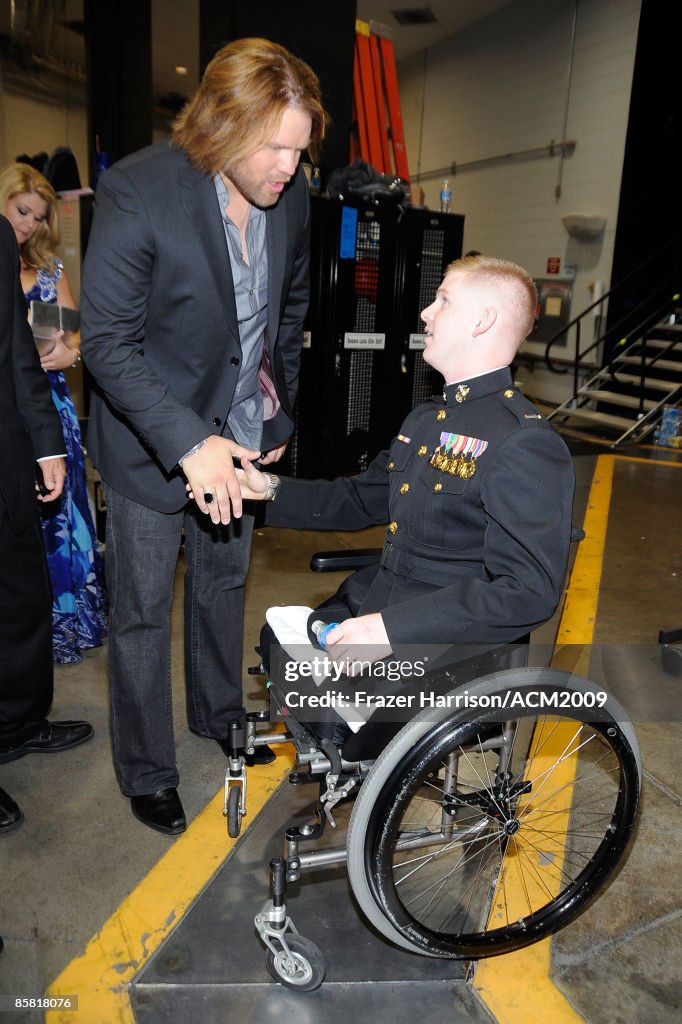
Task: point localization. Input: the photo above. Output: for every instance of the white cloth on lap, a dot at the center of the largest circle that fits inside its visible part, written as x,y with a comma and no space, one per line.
289,623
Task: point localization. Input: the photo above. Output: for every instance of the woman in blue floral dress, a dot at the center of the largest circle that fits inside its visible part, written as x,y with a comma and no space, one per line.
78,610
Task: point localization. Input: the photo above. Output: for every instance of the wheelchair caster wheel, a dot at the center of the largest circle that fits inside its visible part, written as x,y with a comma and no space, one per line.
234,812
302,969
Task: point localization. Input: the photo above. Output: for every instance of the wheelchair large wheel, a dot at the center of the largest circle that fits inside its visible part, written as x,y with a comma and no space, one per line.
473,837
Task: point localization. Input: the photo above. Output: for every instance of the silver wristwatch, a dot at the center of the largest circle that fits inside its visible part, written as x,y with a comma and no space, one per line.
273,487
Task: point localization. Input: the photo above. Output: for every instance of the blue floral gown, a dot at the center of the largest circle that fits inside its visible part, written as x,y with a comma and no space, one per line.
73,556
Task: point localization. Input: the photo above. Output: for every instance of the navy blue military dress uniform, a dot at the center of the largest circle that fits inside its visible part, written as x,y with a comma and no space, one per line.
477,490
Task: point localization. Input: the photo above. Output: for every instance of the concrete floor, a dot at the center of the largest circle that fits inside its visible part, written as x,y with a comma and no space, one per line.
80,852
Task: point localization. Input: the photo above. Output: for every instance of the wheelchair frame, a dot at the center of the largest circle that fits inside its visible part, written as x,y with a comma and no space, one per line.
480,824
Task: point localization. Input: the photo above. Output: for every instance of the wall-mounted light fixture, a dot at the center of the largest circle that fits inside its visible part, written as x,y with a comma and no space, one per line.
585,226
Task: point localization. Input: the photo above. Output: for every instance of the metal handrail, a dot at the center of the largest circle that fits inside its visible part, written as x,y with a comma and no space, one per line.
645,303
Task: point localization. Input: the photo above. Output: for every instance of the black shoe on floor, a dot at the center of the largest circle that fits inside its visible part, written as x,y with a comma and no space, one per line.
10,813
52,738
161,810
262,755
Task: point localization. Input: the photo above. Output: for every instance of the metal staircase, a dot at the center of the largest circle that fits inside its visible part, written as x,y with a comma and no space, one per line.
623,401
625,398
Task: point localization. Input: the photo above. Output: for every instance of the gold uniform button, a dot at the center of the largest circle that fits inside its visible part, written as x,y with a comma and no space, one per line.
422,451
404,488
391,465
509,393
441,414
393,527
438,487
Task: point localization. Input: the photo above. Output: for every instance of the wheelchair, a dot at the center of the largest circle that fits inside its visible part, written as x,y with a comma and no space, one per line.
478,827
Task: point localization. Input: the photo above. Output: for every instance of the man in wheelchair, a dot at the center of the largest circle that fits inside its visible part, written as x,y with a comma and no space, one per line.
472,832
477,489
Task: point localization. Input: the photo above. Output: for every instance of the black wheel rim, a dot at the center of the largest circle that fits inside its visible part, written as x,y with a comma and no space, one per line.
596,839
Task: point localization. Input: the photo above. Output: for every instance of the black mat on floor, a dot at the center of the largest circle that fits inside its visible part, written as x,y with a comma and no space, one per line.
212,966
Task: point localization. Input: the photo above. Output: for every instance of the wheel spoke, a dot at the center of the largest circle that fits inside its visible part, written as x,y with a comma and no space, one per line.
484,836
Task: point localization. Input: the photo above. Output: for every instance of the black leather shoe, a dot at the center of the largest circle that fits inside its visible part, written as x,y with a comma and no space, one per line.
10,813
53,737
263,754
161,810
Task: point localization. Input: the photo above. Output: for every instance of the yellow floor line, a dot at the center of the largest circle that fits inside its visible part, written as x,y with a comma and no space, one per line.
675,463
102,976
517,987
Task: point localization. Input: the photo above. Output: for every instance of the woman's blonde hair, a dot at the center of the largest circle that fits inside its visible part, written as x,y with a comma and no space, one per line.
39,250
244,92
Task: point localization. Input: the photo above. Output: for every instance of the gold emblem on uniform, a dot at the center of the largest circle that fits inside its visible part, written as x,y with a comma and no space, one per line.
404,488
457,454
438,487
390,465
462,392
393,527
422,450
509,393
441,414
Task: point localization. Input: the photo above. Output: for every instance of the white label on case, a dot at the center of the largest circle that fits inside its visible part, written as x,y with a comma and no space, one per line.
364,341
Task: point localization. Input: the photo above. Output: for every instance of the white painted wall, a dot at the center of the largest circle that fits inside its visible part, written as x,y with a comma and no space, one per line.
32,126
501,86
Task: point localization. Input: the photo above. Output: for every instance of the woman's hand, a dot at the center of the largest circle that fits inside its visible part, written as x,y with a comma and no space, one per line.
61,357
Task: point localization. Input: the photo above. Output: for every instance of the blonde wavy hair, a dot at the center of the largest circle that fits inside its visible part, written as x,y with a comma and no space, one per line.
244,92
39,250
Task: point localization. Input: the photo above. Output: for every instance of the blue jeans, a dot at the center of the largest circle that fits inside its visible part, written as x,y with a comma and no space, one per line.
142,549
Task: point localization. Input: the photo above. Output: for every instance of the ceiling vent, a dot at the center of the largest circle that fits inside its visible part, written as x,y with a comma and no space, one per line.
415,16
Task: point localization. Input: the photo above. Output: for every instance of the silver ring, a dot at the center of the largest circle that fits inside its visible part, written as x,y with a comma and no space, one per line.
209,496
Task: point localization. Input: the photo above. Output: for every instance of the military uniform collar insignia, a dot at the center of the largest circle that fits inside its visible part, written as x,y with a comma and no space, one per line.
456,393
466,391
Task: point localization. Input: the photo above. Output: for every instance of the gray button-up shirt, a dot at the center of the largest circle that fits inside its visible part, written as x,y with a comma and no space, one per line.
245,418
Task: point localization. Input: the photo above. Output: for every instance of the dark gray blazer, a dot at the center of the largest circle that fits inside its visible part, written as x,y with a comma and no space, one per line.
159,322
29,422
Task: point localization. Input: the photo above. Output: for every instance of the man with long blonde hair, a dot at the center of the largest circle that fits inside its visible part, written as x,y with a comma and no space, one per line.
195,288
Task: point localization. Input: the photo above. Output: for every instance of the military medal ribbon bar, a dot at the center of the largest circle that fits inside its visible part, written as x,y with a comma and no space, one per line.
457,454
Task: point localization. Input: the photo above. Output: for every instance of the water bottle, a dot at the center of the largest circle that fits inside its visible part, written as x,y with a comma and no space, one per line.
445,197
320,629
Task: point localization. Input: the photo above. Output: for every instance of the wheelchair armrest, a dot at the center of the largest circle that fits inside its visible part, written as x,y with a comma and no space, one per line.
338,561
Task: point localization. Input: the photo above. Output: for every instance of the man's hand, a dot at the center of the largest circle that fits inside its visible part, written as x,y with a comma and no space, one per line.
210,471
274,455
359,641
53,475
253,484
